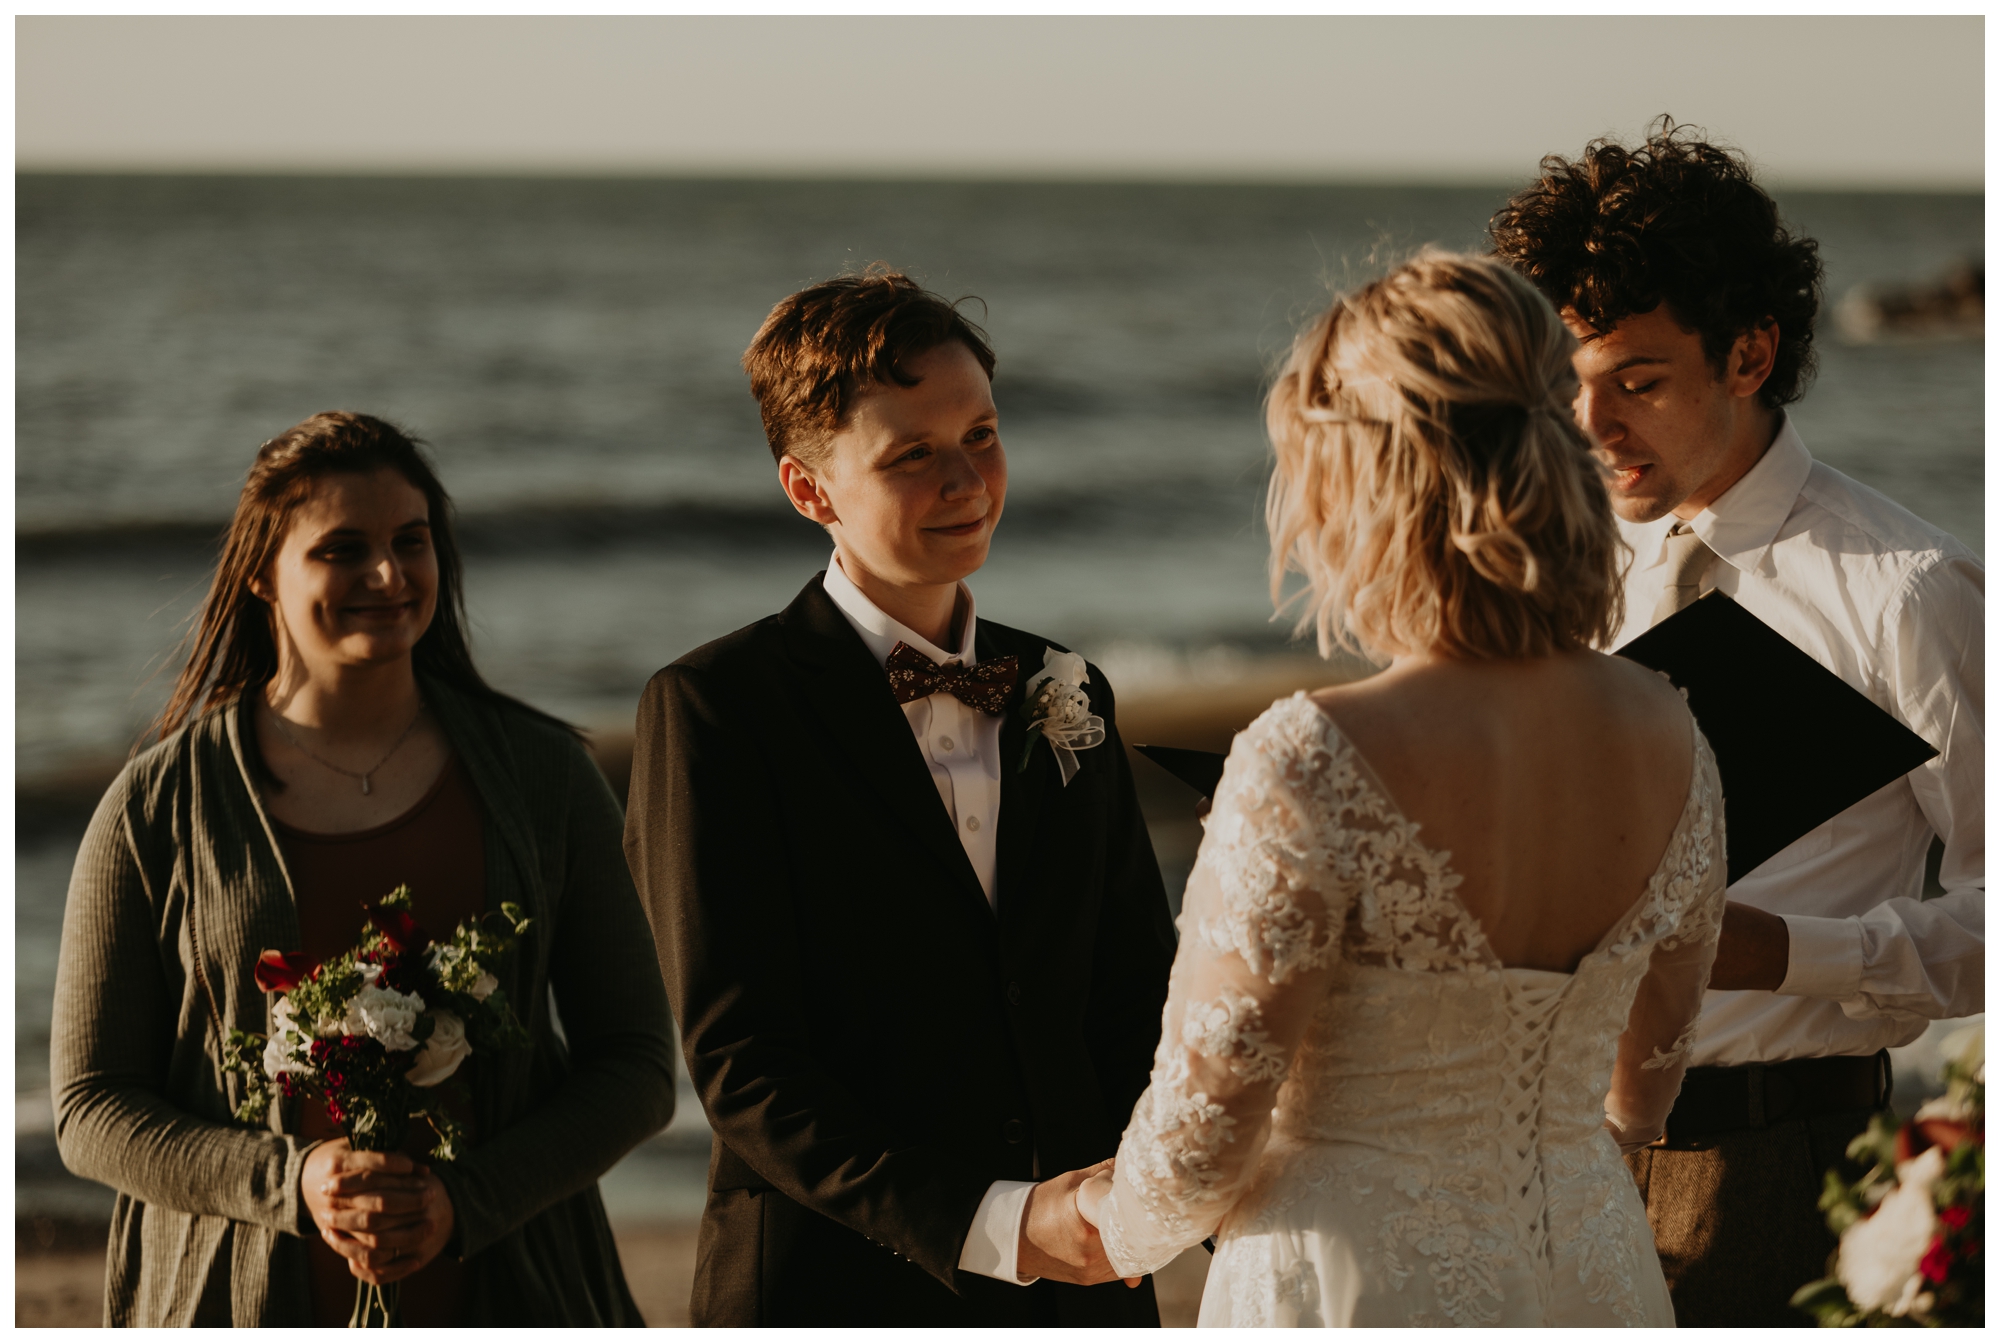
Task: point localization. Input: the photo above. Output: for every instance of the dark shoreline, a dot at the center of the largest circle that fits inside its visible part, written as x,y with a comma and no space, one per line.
1204,717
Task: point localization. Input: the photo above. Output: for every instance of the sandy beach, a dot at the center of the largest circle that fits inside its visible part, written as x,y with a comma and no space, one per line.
61,1284
59,1255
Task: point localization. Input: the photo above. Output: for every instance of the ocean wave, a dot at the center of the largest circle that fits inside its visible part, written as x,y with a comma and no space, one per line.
567,527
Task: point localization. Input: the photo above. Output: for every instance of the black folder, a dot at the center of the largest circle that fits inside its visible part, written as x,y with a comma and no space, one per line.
1794,743
1199,770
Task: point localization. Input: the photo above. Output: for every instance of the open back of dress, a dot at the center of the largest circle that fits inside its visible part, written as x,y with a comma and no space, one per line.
1382,1124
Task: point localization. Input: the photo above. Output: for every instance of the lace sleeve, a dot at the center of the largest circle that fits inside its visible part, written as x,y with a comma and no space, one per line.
1659,1035
1260,931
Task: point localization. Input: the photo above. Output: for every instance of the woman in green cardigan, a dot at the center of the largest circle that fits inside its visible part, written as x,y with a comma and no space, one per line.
328,740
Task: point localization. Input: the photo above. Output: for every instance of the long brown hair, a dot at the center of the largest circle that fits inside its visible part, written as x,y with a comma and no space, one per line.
233,647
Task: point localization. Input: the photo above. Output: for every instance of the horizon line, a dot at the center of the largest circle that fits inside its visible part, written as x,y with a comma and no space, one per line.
999,174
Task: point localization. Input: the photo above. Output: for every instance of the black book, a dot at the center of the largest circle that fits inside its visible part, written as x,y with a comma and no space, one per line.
1794,743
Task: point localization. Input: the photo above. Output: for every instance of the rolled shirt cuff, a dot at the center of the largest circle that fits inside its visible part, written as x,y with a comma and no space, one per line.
993,1246
1825,957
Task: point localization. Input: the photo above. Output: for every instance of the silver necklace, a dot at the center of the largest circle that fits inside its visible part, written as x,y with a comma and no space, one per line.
366,789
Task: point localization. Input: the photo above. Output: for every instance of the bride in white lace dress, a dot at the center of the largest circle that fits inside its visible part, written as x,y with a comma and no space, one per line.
1444,946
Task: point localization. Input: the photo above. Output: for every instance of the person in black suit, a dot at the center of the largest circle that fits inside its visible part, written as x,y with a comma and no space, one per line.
905,903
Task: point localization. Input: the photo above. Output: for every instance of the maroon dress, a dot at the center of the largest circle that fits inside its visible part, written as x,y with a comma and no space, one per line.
437,849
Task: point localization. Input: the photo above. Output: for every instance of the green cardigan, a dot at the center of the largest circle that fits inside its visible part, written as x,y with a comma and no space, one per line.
178,887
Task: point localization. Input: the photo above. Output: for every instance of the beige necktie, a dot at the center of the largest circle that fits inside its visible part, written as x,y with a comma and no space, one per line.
1688,561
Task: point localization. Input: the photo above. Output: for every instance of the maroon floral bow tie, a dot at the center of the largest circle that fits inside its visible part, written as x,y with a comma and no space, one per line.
985,686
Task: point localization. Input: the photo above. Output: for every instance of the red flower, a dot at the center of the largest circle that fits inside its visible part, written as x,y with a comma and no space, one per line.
1936,1265
1920,1135
401,930
280,971
334,1112
1955,1218
1946,1133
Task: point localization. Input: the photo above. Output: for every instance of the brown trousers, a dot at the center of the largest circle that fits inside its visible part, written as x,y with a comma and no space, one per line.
1738,1224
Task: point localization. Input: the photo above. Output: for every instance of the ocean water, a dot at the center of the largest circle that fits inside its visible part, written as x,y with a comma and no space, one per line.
569,348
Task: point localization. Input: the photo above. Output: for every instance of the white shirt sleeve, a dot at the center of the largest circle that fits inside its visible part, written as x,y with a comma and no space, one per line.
993,1246
1910,959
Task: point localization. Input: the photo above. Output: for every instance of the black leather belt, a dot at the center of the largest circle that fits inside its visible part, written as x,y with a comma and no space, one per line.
1715,1101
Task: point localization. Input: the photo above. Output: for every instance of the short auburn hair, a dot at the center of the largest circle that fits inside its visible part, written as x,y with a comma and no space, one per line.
1678,221
1431,482
823,346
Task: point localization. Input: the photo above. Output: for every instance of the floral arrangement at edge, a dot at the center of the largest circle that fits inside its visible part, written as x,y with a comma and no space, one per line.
1913,1229
370,1033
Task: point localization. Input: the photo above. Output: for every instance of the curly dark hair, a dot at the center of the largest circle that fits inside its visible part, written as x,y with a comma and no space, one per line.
1679,221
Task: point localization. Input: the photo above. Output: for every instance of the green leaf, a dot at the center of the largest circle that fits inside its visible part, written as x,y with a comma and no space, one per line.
1028,747
1827,1291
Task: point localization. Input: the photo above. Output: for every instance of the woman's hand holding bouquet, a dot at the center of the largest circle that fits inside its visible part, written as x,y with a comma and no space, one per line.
385,1214
369,1034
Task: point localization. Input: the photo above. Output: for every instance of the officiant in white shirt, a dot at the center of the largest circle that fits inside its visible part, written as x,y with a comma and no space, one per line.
1694,306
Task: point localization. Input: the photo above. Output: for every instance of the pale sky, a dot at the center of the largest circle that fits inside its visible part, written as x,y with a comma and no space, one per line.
1875,102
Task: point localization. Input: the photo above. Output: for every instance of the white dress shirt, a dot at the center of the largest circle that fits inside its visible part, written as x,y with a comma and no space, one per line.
1897,609
962,747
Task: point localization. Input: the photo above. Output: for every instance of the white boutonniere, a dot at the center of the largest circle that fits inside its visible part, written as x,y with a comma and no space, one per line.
1055,709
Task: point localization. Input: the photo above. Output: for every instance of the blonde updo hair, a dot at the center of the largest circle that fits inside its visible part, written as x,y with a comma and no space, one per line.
1431,483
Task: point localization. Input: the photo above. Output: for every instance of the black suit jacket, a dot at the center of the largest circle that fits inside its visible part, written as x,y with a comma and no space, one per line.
874,1046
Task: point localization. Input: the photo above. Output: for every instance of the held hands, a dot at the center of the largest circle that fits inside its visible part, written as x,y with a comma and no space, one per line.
1090,1195
383,1213
1057,1240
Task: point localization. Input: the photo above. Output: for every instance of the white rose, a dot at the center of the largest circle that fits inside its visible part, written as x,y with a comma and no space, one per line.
386,1015
1064,668
285,1038
442,1053
286,1017
1061,711
1880,1253
278,1056
482,988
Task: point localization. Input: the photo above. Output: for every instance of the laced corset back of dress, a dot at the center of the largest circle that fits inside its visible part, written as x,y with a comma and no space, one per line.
1324,943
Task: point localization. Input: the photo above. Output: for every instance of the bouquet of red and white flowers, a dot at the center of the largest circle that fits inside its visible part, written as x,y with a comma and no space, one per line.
371,1032
1913,1229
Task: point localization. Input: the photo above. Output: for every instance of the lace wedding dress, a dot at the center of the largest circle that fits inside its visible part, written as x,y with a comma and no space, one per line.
1380,1123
